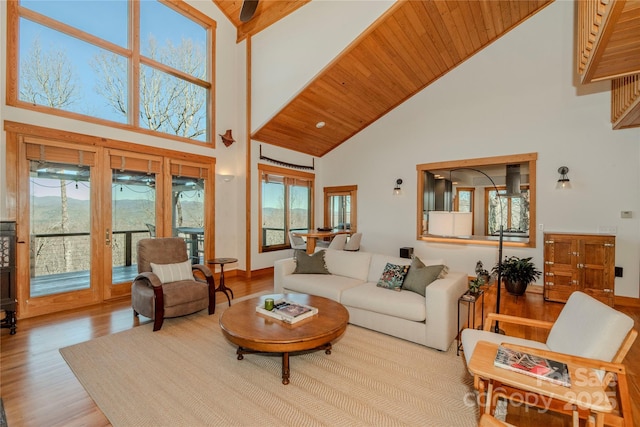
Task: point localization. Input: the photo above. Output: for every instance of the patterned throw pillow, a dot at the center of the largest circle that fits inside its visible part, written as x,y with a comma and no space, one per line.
168,273
393,276
420,276
310,264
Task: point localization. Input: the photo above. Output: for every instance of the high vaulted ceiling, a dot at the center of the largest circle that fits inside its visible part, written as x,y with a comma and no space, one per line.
267,13
410,46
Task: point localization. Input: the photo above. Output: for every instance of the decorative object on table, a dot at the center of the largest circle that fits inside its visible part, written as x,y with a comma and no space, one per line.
227,138
406,252
563,182
474,285
481,273
534,366
517,273
287,311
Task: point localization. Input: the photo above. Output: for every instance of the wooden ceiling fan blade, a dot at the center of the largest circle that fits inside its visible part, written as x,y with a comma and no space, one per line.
248,9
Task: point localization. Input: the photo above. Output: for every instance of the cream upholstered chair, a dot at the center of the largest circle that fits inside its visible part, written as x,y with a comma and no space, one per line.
338,243
297,242
354,242
167,284
586,328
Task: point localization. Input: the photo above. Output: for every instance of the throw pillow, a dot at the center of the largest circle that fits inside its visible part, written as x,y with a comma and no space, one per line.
393,276
310,264
168,273
420,276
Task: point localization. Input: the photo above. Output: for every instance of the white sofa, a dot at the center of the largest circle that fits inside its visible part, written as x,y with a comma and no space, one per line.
430,320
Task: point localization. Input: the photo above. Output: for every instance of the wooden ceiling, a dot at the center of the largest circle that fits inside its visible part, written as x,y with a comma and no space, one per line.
410,46
267,13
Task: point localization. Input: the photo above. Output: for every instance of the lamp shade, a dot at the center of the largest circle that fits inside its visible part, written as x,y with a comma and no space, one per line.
443,223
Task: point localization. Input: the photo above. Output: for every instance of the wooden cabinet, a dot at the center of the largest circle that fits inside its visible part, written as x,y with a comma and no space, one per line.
579,262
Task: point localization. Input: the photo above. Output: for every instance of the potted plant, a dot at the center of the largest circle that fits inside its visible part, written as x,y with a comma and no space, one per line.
517,273
474,286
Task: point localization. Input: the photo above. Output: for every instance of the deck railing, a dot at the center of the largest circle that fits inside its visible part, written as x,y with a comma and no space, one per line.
625,94
591,16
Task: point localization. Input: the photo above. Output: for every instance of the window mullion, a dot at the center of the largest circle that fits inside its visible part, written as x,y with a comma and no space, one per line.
134,65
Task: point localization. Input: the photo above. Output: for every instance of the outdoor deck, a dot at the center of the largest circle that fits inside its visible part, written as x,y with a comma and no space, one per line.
67,282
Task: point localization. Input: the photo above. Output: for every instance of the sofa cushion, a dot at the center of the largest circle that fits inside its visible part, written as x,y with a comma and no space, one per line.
393,276
379,262
420,276
349,264
323,285
168,273
310,264
368,296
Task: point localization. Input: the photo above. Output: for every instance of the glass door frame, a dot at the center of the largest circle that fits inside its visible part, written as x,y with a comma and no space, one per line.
33,306
115,290
17,202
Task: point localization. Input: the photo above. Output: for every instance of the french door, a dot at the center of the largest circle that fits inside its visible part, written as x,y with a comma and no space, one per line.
82,208
59,264
135,203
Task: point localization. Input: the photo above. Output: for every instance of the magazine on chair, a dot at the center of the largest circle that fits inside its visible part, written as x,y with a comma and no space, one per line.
535,366
288,311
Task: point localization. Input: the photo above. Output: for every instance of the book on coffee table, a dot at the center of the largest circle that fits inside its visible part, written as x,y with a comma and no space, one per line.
288,311
534,366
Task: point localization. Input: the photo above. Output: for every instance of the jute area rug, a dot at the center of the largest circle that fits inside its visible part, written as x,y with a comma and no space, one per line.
187,374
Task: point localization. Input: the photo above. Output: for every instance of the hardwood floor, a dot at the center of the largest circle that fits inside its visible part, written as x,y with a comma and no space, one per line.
39,389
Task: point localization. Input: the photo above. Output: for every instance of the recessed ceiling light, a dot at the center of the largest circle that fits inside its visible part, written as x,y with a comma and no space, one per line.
320,125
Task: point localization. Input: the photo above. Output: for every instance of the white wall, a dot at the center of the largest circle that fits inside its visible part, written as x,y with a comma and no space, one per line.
229,115
516,96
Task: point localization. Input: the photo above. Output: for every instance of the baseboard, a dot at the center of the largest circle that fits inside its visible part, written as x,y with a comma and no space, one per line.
627,301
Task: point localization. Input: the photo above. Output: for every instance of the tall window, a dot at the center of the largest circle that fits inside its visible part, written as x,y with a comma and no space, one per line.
140,64
515,212
286,204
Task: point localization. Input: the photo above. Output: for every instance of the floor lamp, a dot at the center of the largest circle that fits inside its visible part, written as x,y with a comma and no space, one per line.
457,224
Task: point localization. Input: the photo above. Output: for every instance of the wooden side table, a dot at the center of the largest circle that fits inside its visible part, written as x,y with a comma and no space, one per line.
221,287
470,299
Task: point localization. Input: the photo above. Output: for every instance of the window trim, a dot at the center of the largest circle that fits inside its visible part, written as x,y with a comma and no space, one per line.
342,190
15,11
285,173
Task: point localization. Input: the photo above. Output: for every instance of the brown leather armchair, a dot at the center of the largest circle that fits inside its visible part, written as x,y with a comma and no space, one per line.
174,289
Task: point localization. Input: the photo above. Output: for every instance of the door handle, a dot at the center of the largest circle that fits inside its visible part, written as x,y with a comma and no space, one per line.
107,238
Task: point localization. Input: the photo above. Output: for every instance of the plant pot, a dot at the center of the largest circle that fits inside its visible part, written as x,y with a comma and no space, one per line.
515,288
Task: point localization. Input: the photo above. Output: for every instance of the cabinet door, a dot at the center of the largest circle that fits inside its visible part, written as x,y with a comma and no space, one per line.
596,264
561,278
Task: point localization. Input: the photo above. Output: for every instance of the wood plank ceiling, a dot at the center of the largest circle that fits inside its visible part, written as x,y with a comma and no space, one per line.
410,46
267,13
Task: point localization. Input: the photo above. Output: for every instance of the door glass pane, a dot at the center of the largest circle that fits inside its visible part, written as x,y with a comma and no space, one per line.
299,202
273,225
133,200
60,224
464,201
188,214
340,212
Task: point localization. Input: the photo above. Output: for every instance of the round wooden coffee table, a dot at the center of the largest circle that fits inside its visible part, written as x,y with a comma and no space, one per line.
253,332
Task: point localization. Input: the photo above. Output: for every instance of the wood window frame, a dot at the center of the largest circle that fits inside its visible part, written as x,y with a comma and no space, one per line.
290,174
15,12
342,190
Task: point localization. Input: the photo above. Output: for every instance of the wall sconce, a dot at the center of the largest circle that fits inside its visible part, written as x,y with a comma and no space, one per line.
563,182
227,139
397,191
227,178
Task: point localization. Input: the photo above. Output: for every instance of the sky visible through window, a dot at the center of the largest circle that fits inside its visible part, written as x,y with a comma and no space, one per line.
108,20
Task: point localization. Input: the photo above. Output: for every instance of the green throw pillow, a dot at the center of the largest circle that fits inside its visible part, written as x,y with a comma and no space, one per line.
393,276
310,264
420,276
